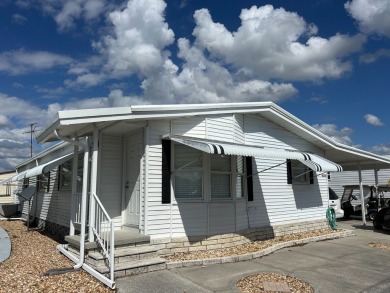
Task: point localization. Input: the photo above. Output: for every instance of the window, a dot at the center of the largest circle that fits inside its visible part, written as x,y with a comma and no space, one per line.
299,173
220,176
188,170
65,171
26,182
197,175
44,182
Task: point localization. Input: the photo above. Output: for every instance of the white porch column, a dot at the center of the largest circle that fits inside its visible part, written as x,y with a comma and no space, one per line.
74,200
83,217
376,176
93,190
363,205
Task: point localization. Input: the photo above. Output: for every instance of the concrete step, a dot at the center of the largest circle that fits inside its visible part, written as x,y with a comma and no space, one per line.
123,254
135,267
122,238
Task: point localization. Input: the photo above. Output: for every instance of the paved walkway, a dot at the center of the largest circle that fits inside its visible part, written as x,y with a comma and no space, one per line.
5,245
340,265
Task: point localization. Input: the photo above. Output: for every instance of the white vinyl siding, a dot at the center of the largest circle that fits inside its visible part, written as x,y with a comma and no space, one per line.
53,205
110,176
158,220
275,201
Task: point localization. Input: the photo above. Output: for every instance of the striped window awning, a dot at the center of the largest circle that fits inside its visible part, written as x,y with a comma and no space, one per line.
313,161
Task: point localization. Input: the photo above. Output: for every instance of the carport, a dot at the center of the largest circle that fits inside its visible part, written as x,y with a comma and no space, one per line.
353,159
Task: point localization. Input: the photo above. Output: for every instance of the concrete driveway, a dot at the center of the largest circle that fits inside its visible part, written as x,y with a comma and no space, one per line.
340,265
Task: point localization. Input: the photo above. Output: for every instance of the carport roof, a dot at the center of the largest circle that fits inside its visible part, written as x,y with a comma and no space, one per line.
73,123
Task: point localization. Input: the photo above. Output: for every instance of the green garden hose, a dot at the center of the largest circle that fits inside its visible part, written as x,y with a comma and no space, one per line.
331,216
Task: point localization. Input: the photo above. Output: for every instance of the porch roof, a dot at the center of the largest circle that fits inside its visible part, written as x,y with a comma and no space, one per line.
313,161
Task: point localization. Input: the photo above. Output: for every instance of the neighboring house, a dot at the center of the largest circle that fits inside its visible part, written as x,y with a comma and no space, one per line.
7,188
181,174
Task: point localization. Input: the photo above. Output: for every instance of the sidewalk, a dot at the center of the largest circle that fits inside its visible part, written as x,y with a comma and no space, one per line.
5,245
340,265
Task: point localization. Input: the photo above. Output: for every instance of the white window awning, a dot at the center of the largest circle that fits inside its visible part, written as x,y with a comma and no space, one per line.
44,168
313,161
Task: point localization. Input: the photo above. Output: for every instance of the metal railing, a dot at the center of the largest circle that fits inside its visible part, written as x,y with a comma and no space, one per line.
103,229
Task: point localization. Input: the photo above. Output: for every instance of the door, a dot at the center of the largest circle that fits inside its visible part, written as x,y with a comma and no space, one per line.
132,182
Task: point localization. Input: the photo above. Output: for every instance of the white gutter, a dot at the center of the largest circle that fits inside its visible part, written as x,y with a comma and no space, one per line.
80,262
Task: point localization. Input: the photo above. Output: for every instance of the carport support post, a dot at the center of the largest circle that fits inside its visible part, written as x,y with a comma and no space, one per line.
376,176
363,205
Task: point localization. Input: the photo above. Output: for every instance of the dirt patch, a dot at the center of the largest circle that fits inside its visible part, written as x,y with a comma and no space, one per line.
255,283
380,245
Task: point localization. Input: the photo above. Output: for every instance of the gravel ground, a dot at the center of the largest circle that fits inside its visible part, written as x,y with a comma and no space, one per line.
380,245
34,253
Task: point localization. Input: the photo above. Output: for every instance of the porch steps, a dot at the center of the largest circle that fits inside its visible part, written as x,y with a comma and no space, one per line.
133,254
135,267
124,254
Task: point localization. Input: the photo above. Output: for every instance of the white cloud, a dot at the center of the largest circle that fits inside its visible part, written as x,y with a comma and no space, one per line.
342,135
140,35
117,99
202,81
373,120
268,45
15,116
4,121
19,19
22,62
371,15
67,12
370,58
381,149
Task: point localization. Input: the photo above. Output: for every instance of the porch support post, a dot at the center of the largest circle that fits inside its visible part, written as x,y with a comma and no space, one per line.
74,201
93,190
84,195
376,176
363,205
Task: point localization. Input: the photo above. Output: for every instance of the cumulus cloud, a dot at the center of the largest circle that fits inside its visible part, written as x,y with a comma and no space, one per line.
268,45
373,120
342,135
372,16
22,61
140,36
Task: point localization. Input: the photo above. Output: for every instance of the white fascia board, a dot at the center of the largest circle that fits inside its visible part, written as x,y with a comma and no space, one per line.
191,108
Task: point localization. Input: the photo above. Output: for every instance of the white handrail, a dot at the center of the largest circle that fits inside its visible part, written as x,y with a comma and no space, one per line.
103,229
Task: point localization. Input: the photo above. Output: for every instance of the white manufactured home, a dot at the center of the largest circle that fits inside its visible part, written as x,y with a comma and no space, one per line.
182,177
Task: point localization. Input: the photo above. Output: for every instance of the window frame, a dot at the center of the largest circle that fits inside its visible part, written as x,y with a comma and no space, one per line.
206,178
294,172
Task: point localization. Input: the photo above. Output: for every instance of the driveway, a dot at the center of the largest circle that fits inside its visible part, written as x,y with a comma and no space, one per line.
340,265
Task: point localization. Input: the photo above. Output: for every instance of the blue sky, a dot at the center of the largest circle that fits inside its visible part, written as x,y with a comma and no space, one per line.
325,61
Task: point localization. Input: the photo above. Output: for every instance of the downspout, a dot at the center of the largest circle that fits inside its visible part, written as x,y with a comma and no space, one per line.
84,193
